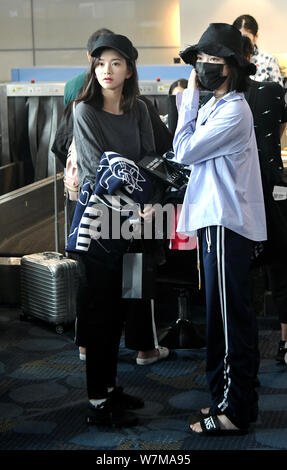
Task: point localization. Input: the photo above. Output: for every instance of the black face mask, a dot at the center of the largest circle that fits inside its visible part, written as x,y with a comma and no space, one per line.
209,75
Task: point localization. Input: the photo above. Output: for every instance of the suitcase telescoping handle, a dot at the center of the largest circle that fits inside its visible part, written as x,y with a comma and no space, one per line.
56,211
52,255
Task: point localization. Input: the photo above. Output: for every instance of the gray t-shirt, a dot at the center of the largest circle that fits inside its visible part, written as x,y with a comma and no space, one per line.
96,132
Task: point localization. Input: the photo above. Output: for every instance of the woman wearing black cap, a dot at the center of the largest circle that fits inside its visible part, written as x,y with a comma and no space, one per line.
224,205
108,117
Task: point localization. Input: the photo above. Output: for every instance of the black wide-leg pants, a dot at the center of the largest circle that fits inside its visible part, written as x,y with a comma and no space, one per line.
100,319
232,344
103,316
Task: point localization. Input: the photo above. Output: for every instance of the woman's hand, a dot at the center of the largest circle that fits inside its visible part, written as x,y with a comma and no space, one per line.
192,81
148,212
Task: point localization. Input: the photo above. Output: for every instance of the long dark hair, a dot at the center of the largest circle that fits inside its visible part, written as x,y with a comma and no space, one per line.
238,79
247,47
91,91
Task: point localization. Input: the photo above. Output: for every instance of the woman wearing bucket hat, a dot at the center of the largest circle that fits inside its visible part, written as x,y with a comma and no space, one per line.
224,205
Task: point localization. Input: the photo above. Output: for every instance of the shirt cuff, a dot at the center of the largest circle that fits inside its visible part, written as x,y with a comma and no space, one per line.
188,98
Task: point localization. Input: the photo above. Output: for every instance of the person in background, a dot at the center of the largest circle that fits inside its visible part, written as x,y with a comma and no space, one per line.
170,119
267,103
267,65
224,206
177,86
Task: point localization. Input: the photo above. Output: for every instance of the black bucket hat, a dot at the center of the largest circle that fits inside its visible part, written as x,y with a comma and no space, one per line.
220,40
117,42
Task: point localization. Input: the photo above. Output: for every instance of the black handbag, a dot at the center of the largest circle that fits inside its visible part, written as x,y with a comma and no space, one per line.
162,168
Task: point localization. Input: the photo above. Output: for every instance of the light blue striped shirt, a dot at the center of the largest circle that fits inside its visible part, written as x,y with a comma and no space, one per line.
219,145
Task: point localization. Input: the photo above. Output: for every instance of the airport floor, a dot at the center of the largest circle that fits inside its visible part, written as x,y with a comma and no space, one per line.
43,401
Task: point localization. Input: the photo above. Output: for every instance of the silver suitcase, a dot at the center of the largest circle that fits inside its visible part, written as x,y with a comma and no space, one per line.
49,281
49,284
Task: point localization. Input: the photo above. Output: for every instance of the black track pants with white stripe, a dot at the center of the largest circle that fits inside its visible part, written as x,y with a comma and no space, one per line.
232,345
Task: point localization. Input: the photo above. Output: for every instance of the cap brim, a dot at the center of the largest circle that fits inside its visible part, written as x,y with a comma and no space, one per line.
96,52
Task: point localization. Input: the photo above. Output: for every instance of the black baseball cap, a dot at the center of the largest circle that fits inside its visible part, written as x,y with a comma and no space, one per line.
119,43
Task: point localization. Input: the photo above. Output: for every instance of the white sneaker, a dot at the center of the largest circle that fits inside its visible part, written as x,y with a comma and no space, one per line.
163,353
82,355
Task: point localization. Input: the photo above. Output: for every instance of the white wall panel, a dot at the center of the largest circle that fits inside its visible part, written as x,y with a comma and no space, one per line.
78,58
15,24
55,32
12,59
68,23
157,56
61,57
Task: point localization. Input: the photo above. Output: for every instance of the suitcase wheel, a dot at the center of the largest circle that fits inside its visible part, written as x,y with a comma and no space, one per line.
59,329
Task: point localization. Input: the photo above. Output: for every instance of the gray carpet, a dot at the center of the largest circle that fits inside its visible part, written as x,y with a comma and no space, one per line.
43,398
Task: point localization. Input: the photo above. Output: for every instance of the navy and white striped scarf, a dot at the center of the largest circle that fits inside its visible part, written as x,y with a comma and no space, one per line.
119,186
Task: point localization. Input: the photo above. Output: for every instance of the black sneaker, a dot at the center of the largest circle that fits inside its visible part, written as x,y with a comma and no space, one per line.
282,350
107,414
124,400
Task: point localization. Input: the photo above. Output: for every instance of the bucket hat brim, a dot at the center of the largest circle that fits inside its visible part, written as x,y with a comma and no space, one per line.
220,40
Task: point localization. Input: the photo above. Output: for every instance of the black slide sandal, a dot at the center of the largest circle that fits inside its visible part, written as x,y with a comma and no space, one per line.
211,426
